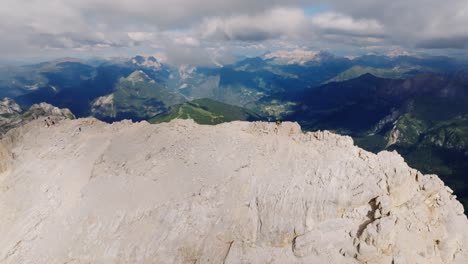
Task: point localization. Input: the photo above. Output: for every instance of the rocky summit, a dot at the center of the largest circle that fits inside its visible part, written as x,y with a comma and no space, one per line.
11,115
83,191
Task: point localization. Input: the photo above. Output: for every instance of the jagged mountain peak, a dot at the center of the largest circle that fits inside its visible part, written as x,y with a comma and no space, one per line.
45,109
148,62
139,76
8,106
15,117
297,56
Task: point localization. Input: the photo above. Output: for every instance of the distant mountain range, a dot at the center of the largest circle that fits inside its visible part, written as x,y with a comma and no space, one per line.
415,105
77,84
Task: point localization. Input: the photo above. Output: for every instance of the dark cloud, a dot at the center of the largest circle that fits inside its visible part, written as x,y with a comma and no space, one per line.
444,43
414,23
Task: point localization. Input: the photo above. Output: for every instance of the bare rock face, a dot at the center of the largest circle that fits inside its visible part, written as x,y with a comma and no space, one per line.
5,158
8,107
104,106
89,192
11,115
45,109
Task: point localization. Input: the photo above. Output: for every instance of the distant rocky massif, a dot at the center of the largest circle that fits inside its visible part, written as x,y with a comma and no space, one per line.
12,116
85,191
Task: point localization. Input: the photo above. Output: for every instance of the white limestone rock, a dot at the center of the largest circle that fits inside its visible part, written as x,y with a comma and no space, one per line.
88,192
9,107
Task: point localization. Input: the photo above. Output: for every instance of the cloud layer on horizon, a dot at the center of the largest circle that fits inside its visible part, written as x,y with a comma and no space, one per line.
212,31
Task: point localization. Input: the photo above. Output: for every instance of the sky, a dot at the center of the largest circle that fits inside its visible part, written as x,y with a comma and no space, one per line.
218,31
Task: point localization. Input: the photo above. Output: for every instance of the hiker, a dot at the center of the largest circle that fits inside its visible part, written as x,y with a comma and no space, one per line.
278,122
46,123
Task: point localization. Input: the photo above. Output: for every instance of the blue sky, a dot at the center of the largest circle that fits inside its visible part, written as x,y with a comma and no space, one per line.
316,9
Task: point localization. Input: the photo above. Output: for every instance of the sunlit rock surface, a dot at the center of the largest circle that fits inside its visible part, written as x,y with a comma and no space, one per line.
82,191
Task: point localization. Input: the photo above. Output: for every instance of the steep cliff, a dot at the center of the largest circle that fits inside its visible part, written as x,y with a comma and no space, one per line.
83,191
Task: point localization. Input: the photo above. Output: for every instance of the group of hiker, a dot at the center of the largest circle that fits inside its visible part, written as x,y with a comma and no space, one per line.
49,122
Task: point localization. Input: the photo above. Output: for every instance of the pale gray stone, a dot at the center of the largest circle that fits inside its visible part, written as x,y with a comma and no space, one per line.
83,191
